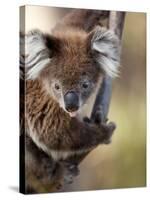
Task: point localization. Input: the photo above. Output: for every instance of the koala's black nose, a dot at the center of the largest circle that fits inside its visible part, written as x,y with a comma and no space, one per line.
71,100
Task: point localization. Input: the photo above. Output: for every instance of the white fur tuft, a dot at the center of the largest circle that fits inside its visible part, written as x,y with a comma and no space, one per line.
34,55
107,44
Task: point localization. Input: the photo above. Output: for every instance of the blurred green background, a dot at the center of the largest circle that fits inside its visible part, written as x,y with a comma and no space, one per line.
123,162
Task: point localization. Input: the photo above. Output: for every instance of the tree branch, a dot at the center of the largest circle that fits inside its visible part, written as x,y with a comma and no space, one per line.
116,22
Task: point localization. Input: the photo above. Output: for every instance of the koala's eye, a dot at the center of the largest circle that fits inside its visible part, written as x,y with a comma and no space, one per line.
85,85
57,86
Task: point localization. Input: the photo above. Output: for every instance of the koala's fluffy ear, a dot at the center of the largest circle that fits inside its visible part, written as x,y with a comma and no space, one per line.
105,46
35,53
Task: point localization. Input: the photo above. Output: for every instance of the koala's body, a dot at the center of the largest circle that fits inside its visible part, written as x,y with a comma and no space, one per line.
62,71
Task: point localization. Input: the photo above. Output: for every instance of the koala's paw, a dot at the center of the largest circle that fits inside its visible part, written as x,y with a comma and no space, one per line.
107,130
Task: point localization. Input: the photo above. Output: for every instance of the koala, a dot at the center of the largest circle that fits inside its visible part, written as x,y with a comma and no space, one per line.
61,72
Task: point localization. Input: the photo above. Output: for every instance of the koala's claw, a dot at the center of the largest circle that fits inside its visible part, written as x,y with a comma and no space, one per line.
98,116
110,127
87,120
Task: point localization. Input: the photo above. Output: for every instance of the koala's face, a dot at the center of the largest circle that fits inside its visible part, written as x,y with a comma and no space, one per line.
72,92
72,74
70,63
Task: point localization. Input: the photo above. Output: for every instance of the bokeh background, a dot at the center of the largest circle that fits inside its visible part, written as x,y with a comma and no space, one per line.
121,164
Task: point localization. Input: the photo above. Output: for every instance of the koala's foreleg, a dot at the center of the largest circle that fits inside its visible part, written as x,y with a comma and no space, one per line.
88,135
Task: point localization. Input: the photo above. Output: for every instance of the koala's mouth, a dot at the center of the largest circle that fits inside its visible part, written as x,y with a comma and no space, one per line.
73,114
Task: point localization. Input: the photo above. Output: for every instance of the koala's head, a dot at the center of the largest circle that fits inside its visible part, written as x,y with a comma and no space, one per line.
71,64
